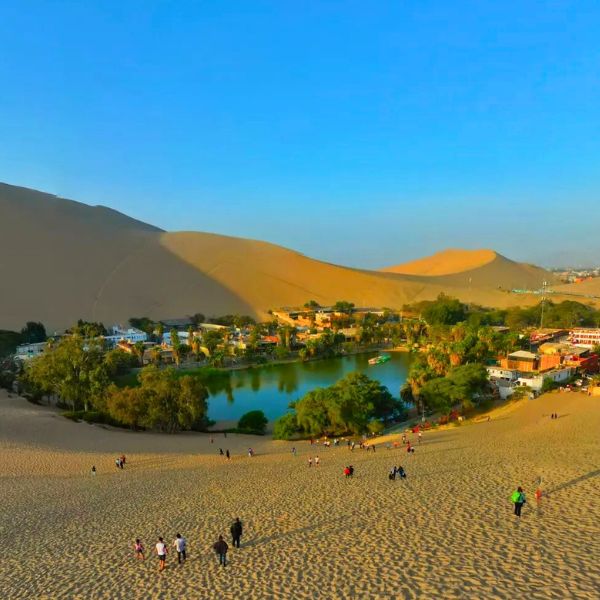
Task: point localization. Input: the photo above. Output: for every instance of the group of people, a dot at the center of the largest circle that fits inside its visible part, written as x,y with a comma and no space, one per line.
119,462
554,416
349,471
317,461
226,453
220,547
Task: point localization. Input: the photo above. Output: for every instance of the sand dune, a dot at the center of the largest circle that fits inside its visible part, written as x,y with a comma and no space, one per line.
445,532
585,288
445,262
475,269
65,260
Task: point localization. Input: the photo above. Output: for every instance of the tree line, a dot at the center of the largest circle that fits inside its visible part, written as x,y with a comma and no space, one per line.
80,375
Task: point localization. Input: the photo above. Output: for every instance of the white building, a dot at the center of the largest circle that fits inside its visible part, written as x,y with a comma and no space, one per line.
509,375
536,381
27,351
587,337
130,335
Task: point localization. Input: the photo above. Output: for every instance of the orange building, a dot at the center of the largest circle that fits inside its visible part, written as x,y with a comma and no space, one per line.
521,361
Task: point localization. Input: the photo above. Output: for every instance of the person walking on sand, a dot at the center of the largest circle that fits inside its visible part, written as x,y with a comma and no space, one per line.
227,454
401,472
93,469
310,461
392,475
221,547
317,461
294,450
420,434
347,472
236,532
161,551
180,545
139,549
518,499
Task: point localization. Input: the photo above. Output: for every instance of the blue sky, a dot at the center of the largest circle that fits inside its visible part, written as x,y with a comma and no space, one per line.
363,133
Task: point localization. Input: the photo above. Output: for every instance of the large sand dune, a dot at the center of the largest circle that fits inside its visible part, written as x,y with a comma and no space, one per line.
445,262
62,260
446,532
475,268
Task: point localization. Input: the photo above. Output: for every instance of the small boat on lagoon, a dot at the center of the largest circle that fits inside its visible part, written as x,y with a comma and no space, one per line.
380,359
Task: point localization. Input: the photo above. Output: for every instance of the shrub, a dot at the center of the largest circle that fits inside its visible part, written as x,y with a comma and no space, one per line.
376,427
254,421
286,427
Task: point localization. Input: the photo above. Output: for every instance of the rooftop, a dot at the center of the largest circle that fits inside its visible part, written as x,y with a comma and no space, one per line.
523,354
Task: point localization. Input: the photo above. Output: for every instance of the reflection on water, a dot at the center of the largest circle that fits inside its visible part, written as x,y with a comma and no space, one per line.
271,388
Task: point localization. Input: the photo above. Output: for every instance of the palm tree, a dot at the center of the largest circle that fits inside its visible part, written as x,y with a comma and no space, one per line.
156,355
138,350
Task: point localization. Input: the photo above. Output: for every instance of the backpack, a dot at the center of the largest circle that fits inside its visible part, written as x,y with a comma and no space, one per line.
516,497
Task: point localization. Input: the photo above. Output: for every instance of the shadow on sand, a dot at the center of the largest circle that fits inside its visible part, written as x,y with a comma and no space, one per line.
568,484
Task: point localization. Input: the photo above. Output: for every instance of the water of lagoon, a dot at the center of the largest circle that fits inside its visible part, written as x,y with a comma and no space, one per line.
271,388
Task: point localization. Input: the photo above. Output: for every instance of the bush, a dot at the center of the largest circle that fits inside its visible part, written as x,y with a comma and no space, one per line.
286,427
548,385
254,421
376,427
90,416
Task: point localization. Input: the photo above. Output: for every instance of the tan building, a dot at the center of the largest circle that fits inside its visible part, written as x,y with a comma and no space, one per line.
521,361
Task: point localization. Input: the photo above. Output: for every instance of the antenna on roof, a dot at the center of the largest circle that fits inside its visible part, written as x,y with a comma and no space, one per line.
543,302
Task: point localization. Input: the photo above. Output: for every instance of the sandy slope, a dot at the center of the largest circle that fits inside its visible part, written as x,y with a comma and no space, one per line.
62,260
445,262
446,532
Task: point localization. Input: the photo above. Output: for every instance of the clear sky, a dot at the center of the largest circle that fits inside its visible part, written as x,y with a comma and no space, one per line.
364,133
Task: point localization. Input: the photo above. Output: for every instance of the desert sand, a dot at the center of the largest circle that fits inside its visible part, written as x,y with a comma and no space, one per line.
446,262
66,260
446,532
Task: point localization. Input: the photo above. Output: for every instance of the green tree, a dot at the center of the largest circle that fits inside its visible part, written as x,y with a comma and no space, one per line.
118,362
254,421
444,311
127,406
33,332
73,369
376,427
312,304
88,329
211,339
342,306
176,346
143,324
286,427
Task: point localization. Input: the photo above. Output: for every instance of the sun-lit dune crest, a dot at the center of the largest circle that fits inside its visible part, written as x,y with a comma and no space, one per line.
445,262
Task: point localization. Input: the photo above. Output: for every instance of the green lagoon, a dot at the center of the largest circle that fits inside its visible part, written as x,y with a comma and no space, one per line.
271,388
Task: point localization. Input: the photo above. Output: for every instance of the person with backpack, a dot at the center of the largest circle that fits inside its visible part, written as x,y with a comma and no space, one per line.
221,547
236,532
518,499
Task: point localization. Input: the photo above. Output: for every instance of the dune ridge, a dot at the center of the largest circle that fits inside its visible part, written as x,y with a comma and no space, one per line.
445,262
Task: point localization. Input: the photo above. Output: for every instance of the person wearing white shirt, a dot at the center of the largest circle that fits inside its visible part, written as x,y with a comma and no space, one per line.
161,551
180,545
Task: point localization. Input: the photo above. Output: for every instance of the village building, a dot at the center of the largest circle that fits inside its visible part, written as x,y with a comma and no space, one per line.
27,351
587,337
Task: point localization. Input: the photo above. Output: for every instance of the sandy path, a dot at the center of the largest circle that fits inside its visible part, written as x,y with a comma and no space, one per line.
446,532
